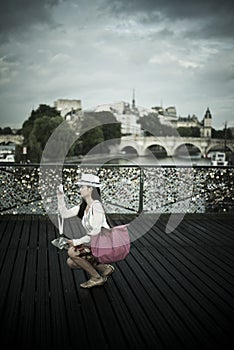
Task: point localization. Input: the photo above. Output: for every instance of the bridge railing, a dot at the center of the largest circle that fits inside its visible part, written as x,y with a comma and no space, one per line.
126,189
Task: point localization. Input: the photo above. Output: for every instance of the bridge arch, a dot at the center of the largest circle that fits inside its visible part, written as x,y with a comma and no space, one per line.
142,144
157,149
218,147
129,150
187,145
16,139
156,144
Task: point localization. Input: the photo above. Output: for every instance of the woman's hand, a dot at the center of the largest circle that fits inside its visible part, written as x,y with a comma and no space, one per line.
69,241
60,190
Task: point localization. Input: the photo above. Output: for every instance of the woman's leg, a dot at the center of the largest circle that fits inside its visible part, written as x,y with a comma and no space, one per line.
71,264
80,262
96,279
105,269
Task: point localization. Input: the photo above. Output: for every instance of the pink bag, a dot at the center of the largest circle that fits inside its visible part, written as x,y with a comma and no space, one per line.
111,245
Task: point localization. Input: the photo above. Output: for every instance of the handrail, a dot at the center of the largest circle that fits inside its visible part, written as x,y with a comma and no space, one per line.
93,165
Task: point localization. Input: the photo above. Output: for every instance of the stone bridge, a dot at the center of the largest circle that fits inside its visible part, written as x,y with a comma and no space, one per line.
142,144
17,139
171,144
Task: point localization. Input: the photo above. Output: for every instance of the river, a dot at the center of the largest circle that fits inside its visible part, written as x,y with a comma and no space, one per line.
136,160
193,160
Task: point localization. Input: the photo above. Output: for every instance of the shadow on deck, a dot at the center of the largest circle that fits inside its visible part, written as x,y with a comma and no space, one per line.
174,291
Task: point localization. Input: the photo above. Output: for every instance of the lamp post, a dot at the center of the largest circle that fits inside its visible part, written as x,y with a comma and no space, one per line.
225,137
24,154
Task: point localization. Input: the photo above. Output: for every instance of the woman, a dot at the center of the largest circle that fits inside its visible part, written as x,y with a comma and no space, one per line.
93,218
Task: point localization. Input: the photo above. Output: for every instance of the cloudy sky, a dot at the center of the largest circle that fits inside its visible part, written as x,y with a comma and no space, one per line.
174,53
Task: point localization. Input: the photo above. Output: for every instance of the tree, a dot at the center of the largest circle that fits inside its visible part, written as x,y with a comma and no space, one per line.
151,125
43,110
189,131
6,131
92,137
37,129
221,134
109,129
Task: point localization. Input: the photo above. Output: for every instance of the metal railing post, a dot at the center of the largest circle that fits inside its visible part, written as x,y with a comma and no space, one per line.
141,190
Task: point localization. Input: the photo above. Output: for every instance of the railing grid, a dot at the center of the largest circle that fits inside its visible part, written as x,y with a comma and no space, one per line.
126,189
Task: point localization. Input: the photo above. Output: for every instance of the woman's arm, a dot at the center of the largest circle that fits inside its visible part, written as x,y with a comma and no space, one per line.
64,211
83,240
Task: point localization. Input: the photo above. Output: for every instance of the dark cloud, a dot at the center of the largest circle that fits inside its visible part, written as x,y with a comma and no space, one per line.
19,15
175,8
214,17
101,49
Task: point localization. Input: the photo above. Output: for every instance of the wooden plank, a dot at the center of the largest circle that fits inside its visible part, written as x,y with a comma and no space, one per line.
174,243
26,320
103,334
207,231
12,302
211,261
221,224
3,226
128,325
173,290
160,312
8,254
210,287
82,306
201,241
226,255
92,324
6,236
59,318
147,331
42,328
177,297
216,322
75,323
113,334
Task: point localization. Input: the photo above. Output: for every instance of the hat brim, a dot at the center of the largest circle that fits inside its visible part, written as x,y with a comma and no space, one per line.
88,183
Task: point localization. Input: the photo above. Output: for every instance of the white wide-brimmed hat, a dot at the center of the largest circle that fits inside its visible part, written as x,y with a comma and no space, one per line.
89,180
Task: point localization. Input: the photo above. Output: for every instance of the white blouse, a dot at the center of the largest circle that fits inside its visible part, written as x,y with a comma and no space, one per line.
92,220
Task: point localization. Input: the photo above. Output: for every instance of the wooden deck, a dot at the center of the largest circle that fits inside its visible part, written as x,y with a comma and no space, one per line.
174,291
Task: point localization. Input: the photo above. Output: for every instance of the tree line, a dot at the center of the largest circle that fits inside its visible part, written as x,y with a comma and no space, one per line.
40,125
8,131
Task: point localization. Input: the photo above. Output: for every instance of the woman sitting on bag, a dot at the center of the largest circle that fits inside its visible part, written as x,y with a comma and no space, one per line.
93,218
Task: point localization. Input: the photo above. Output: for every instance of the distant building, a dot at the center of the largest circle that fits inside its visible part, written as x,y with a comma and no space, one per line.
129,122
68,108
188,122
232,130
206,125
127,115
169,115
166,115
7,150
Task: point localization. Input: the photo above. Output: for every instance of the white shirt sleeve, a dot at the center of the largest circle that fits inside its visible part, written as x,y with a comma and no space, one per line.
83,240
64,211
